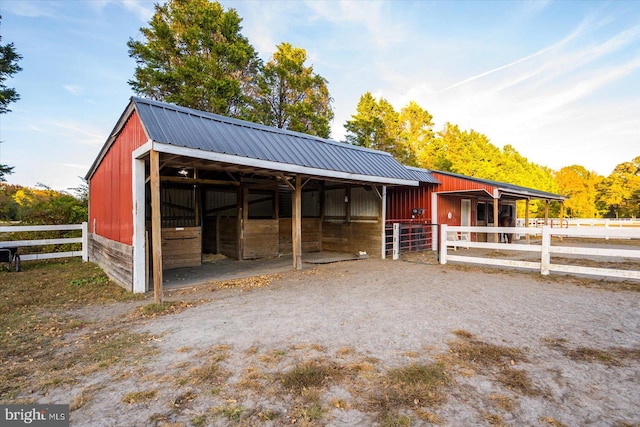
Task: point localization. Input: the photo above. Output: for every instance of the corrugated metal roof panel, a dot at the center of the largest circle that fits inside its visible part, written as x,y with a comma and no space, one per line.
185,127
423,175
506,187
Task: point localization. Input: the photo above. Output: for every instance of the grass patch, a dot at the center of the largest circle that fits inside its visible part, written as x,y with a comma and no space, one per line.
551,421
139,396
613,356
503,402
232,413
493,419
167,307
517,380
484,354
410,387
33,319
312,374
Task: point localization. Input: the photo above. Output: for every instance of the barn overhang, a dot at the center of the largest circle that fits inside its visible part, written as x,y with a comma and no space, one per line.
235,163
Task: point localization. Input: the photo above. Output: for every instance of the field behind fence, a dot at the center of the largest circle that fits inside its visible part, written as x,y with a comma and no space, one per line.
38,242
575,250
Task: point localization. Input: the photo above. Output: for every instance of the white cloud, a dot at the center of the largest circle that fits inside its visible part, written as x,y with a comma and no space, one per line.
73,89
29,8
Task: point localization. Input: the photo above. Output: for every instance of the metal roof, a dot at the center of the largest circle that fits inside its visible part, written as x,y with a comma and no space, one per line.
194,129
422,175
506,188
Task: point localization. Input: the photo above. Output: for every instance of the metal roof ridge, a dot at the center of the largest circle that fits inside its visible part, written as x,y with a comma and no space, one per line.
252,125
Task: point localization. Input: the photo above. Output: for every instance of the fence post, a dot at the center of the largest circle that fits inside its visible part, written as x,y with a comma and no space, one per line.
396,240
442,256
545,259
85,241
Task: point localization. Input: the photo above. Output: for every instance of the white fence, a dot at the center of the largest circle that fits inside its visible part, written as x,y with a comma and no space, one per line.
451,236
41,242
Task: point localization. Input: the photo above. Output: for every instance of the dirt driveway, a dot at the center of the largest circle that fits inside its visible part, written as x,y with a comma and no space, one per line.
351,343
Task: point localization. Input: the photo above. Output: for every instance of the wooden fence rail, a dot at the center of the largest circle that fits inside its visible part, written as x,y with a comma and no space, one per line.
450,237
42,242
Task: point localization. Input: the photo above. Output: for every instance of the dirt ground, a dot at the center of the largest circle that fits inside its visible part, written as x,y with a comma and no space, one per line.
569,351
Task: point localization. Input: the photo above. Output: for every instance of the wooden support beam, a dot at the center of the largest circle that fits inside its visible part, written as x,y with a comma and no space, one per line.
496,215
296,224
526,218
156,228
546,212
181,180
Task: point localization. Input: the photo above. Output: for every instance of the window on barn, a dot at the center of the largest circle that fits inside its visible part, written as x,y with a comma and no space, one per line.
311,204
365,204
481,211
222,203
284,201
335,206
261,204
178,206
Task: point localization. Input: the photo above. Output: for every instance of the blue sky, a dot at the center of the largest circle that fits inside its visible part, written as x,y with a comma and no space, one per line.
558,80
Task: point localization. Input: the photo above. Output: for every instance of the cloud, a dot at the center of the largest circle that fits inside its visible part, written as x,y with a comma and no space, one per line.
73,89
143,9
74,132
31,9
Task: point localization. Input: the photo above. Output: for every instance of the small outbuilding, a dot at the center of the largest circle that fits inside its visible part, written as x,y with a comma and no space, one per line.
172,183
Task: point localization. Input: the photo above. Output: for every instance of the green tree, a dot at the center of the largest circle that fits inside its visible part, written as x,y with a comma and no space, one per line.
8,67
291,96
194,55
416,132
376,125
620,191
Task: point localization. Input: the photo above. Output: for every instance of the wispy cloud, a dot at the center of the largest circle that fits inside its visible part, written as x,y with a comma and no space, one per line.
73,89
30,8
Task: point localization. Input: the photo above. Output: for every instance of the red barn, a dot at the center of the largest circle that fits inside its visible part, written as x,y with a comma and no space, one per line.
453,199
172,183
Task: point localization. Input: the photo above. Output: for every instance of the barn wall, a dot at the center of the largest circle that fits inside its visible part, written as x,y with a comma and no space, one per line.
181,247
311,236
115,258
352,237
228,237
110,198
402,200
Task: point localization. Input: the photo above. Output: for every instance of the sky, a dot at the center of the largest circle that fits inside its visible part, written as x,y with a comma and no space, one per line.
557,80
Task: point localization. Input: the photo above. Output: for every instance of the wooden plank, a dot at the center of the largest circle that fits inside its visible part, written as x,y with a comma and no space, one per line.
51,255
494,261
20,228
489,245
296,224
609,272
181,247
41,242
156,229
621,253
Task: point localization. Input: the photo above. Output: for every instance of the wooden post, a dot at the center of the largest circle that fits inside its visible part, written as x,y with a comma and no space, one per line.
296,224
545,256
496,214
396,241
156,226
442,256
526,218
546,213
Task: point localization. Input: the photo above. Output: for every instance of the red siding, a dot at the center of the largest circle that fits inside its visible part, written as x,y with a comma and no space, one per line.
110,188
452,183
402,200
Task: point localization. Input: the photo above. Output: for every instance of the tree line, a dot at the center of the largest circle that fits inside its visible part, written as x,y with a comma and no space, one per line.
193,53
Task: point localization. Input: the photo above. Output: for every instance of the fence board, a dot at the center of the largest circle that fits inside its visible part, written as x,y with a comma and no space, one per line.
43,242
19,228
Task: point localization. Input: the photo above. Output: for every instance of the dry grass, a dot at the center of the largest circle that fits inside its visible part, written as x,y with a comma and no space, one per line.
493,419
411,387
517,381
34,323
480,353
612,356
316,373
503,402
167,307
139,396
551,422
246,283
